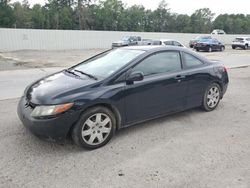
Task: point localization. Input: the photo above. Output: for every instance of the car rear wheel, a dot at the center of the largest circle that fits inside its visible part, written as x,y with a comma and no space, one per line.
222,48
246,47
210,49
211,97
233,47
95,128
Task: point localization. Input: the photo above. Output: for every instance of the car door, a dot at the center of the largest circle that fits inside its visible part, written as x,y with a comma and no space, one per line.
163,89
198,77
216,44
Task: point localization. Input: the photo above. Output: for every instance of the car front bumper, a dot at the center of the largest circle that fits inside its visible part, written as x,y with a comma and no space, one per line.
52,129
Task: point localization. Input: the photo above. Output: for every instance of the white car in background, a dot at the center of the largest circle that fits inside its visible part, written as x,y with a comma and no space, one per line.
241,42
168,42
218,32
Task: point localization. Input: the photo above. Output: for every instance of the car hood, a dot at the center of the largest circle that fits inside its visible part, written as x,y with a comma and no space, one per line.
120,42
57,88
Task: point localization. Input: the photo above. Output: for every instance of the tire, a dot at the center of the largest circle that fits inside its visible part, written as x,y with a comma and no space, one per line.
233,47
222,48
211,97
246,47
209,49
197,50
95,128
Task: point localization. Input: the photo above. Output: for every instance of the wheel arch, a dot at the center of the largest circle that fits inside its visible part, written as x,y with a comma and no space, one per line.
111,107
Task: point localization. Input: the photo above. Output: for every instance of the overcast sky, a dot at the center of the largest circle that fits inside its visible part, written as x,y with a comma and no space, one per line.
189,6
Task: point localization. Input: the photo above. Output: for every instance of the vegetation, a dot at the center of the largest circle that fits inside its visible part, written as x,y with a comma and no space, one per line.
114,15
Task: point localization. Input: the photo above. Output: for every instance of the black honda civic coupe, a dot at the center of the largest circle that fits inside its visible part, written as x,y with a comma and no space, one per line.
119,88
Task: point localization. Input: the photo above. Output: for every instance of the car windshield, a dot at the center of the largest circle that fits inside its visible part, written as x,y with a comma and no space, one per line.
204,40
105,64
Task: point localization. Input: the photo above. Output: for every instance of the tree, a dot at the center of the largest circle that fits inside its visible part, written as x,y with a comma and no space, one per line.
6,14
22,15
183,23
161,17
37,17
82,15
201,20
133,19
114,15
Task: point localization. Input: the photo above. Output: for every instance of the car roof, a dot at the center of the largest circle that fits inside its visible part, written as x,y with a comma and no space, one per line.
168,40
156,48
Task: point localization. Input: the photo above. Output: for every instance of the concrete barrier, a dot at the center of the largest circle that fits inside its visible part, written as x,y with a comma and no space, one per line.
34,39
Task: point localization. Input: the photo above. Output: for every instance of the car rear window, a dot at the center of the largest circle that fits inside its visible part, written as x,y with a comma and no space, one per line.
239,39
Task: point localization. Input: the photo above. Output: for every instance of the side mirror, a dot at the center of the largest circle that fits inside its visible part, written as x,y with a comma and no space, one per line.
135,76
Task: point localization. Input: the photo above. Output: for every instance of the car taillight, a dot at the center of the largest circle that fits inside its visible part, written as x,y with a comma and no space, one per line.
225,69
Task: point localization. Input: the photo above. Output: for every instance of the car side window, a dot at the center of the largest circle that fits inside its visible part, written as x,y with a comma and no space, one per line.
215,41
177,43
191,61
160,63
168,43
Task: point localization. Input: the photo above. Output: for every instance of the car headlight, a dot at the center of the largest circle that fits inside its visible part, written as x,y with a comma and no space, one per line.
41,111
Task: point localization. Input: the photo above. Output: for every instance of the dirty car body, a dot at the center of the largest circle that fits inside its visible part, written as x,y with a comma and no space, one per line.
156,95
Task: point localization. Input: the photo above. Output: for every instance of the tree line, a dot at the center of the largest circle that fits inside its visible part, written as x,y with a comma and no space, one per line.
115,16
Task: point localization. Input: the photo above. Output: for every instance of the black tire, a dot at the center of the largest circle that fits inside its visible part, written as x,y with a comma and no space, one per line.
233,47
209,49
77,130
205,105
197,49
246,47
222,48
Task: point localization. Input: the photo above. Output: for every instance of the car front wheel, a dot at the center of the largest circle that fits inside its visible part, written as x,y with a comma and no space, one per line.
95,128
211,97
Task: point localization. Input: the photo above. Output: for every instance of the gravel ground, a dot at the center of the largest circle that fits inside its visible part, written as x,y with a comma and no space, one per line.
189,149
43,59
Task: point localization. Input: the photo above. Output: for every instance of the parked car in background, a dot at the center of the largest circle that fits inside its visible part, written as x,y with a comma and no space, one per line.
209,45
218,32
145,42
127,41
194,41
241,42
119,88
167,42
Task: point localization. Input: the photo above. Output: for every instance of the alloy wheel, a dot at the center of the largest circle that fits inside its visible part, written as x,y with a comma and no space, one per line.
213,96
96,129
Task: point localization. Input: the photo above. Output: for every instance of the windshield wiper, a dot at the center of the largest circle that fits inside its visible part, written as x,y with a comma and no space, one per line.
70,72
84,73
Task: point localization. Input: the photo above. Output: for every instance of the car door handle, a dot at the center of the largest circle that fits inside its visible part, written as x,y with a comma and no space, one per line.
180,77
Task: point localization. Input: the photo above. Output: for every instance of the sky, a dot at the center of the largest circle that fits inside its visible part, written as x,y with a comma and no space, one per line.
189,6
